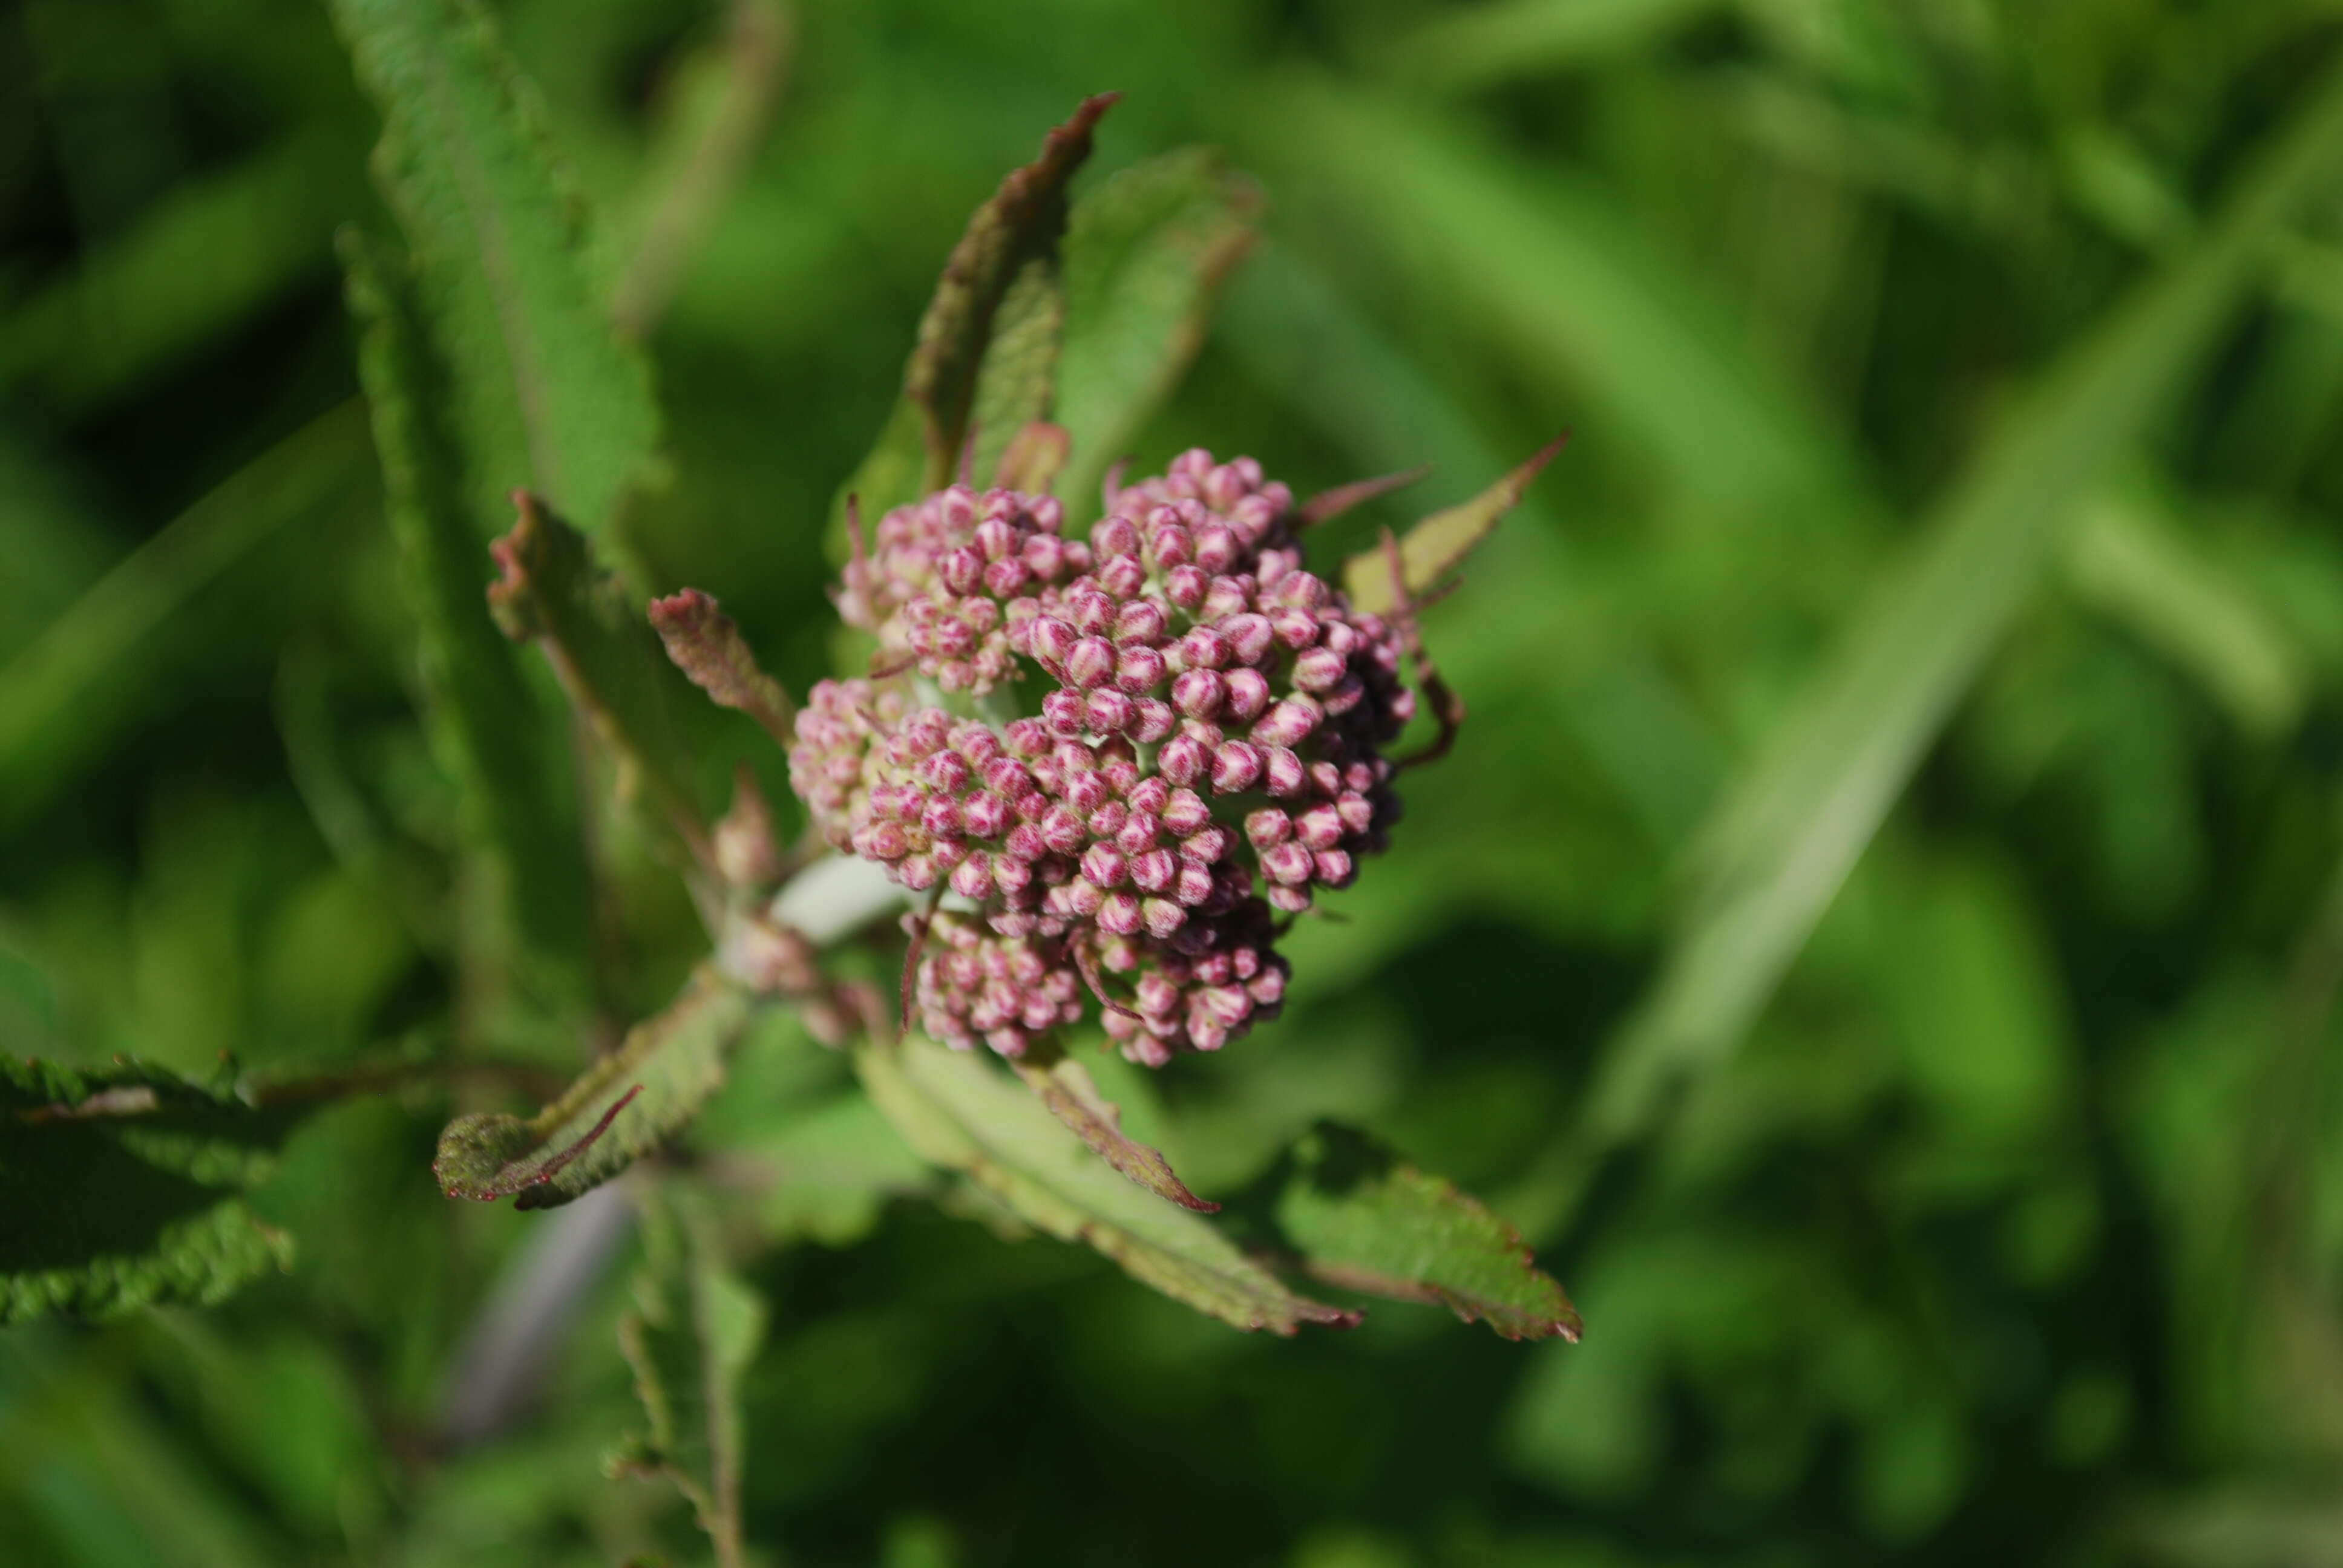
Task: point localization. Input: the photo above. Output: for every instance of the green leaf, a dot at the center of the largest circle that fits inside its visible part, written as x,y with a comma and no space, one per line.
1791,832
1359,1217
626,1105
1019,378
1014,232
541,392
550,591
693,1332
1147,255
527,878
124,1190
1437,545
1068,1093
706,645
956,1112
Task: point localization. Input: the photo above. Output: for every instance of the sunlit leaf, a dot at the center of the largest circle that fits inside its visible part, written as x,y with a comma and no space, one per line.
1438,544
1066,1090
624,1107
961,1114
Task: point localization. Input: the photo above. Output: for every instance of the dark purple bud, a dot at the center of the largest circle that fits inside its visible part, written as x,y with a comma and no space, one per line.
1235,767
1184,813
1182,760
1198,693
1268,826
1140,669
1248,694
1154,870
1119,914
1283,774
1089,662
1186,585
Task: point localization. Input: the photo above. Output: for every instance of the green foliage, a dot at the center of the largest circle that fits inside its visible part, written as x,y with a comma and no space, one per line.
540,391
1434,548
959,1113
1359,1218
623,1108
693,1332
125,1189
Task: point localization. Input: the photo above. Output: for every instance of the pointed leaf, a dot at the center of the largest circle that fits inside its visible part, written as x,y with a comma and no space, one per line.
540,391
1021,225
1147,255
551,592
1019,378
124,1190
626,1105
1066,1090
706,645
527,879
956,1112
1359,1217
694,1330
1438,544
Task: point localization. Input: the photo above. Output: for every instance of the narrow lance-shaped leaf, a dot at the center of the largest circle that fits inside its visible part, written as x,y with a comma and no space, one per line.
1437,545
956,1112
1357,1216
707,646
1020,226
626,1105
1019,378
527,879
694,1329
1067,1092
1788,839
540,391
551,592
1147,255
124,1190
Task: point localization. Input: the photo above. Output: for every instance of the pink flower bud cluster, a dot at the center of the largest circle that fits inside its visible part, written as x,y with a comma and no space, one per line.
1208,747
1005,990
942,573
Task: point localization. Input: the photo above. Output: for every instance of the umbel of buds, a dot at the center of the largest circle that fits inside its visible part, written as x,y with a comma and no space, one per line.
1123,758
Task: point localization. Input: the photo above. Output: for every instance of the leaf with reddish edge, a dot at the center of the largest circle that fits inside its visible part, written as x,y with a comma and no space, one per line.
1035,455
1437,545
1358,1217
920,449
959,1113
706,645
1066,1088
624,1106
551,591
1328,505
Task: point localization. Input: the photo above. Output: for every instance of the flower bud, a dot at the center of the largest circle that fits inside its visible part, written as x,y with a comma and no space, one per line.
1235,767
1137,833
1109,712
1140,620
1283,774
1186,586
1198,693
1334,868
1089,662
1250,636
1151,720
984,816
1268,827
1061,832
1065,712
1320,827
1153,870
1319,669
1182,760
1247,691
1105,865
1115,536
972,878
1184,812
1290,723
1140,669
1205,648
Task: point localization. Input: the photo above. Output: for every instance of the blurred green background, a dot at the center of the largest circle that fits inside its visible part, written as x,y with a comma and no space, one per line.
1878,933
